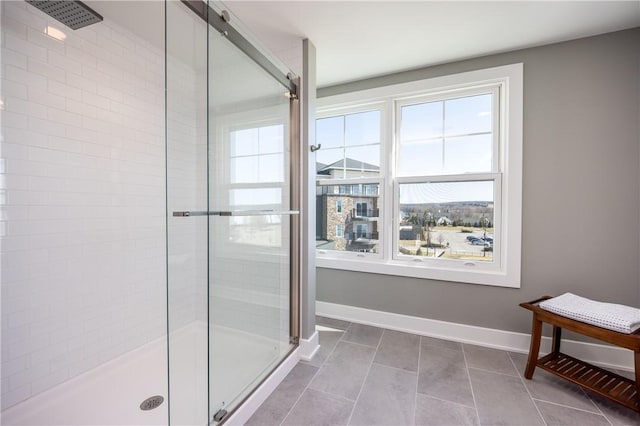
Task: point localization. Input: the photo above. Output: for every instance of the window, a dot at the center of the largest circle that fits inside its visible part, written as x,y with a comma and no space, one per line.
257,155
361,209
446,176
256,164
361,230
448,204
348,169
339,233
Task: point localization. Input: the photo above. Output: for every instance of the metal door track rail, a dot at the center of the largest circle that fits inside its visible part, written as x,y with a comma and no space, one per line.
221,24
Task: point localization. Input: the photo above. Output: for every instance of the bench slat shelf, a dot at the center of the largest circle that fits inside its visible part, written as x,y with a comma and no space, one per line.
599,380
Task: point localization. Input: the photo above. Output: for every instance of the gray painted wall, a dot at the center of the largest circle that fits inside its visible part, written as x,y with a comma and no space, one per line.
581,204
308,217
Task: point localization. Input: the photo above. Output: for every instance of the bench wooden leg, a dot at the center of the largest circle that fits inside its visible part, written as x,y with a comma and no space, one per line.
534,349
557,337
636,355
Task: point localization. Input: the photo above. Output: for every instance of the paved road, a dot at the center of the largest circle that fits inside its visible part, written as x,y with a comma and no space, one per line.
458,241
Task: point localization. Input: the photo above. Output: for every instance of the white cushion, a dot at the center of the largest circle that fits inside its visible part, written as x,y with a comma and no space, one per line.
623,319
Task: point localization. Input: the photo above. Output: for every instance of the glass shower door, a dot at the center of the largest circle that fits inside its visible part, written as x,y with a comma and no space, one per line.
249,224
187,237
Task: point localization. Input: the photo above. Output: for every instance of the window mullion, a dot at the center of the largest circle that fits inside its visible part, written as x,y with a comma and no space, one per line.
389,148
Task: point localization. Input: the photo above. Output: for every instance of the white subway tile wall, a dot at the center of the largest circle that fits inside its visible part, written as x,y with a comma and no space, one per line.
82,199
187,186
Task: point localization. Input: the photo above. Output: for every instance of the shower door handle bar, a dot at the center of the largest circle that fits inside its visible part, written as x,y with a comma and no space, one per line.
237,213
254,213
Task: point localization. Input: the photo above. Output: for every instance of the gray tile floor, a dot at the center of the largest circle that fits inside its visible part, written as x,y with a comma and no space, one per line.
364,375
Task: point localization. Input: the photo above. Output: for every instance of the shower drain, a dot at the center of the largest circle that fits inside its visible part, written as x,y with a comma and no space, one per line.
151,402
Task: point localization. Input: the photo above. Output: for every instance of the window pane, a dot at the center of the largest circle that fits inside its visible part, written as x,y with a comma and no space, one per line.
259,230
257,169
329,163
350,145
254,198
363,161
330,132
271,139
447,220
362,128
471,114
422,151
244,142
244,169
358,220
421,121
420,159
467,154
271,168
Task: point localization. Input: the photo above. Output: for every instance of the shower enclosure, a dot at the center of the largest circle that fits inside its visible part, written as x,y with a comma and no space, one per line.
149,214
230,192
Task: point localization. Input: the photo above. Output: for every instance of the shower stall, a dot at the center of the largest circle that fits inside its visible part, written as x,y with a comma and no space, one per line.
149,213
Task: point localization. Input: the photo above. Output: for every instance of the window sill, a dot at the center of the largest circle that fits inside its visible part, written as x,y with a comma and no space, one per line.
406,269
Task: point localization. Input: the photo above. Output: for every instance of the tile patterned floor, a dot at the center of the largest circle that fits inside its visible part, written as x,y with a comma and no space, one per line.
368,376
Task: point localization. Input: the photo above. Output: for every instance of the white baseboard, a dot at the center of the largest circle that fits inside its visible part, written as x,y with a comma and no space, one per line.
309,347
603,355
246,410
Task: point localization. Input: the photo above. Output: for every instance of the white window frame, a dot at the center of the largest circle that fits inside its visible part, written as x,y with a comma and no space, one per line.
339,230
505,270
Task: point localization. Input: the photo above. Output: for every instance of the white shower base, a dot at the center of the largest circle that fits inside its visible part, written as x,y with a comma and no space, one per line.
111,394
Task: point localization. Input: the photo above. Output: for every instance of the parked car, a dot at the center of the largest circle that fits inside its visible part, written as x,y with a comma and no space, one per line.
480,242
471,238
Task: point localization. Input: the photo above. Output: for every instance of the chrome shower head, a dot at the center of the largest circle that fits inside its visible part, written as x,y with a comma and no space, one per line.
74,14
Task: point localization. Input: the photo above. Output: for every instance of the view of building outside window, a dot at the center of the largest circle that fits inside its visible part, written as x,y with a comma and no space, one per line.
356,228
350,150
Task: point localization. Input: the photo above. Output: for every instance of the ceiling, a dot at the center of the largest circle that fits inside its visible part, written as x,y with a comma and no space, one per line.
357,39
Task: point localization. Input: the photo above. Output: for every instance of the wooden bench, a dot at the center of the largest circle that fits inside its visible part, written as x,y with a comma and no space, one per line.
603,382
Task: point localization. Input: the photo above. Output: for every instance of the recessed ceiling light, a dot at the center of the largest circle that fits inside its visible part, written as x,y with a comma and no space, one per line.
55,33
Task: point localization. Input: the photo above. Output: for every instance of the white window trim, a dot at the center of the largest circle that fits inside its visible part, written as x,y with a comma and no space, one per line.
508,274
